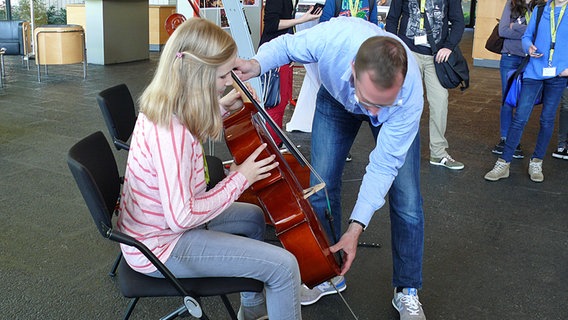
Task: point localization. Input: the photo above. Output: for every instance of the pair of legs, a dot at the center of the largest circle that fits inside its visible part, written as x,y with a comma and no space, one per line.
277,112
507,63
551,90
231,245
563,121
333,132
438,101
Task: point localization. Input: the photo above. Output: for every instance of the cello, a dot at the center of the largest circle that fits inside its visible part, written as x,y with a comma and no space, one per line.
281,195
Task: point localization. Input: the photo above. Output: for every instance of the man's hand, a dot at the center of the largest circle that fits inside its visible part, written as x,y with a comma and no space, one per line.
443,55
246,69
348,243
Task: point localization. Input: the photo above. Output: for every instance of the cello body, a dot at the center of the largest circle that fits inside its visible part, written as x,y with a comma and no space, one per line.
281,196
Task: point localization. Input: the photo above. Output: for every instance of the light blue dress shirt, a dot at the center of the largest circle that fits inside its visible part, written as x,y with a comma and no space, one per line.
333,45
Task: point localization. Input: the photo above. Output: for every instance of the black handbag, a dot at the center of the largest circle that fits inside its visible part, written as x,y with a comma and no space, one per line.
270,82
454,72
495,43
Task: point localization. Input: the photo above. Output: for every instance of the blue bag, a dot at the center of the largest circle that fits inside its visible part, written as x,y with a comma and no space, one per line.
270,82
514,83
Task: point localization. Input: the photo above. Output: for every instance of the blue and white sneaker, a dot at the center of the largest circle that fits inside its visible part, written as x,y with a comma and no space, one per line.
311,296
408,305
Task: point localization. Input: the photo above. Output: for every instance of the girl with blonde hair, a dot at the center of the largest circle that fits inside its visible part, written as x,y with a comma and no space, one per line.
165,203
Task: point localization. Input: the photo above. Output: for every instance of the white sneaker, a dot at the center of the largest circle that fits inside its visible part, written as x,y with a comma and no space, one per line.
535,170
408,305
500,171
311,296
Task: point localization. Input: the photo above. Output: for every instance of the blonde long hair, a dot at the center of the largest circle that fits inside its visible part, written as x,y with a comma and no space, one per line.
184,82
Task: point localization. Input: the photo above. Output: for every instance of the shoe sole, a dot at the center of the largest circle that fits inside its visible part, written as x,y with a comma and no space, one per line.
443,165
496,152
327,293
518,157
559,156
496,179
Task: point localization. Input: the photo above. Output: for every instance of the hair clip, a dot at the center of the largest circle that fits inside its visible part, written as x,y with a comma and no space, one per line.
179,54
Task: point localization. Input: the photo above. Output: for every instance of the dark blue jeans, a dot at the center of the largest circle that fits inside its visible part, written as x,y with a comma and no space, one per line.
333,132
551,93
507,63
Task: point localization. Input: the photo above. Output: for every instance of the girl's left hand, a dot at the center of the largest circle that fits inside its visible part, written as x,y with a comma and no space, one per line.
564,73
231,101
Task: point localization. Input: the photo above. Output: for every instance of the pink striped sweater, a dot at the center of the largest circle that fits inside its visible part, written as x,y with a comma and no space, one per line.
164,190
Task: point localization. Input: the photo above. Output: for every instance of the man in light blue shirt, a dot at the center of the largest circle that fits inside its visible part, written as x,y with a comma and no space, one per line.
367,75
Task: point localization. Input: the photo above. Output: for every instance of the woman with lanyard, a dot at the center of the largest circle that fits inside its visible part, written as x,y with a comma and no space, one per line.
512,26
546,74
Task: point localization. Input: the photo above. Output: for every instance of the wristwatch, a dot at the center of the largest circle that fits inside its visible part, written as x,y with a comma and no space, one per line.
358,222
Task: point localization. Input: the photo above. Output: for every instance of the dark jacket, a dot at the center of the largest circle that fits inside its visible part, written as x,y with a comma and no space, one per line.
274,10
403,20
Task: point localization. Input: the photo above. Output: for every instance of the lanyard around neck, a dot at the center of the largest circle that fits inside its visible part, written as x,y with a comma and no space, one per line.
354,7
554,27
422,15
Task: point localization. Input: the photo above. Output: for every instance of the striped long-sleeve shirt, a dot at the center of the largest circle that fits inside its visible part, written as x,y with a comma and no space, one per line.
164,190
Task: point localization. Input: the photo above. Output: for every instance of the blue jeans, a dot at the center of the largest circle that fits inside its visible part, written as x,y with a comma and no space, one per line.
333,132
231,245
506,64
551,92
563,121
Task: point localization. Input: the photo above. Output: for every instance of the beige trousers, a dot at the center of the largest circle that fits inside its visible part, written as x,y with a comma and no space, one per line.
437,97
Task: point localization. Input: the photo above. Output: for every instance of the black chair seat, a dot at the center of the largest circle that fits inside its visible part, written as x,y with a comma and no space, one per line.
135,284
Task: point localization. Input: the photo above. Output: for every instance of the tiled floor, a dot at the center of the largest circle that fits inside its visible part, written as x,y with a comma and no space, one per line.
493,250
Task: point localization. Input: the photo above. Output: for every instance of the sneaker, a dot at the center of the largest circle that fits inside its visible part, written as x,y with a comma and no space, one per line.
311,296
408,305
535,170
349,158
519,154
498,149
561,153
447,162
500,171
252,313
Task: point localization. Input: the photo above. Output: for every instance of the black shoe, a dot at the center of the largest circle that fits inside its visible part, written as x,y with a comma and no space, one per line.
519,154
561,153
349,158
498,149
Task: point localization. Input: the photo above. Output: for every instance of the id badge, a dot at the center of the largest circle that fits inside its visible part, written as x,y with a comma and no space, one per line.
549,72
420,40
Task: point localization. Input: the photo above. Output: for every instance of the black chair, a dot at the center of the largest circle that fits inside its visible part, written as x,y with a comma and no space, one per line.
119,112
94,168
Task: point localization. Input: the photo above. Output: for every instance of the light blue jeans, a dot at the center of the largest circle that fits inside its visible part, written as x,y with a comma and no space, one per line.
333,132
231,245
552,90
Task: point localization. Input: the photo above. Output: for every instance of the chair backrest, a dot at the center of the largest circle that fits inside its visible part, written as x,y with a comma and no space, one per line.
94,168
119,112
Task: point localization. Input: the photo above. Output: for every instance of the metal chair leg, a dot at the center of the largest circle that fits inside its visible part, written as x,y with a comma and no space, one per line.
112,272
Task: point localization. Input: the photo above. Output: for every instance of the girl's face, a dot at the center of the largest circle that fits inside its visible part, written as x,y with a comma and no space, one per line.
224,79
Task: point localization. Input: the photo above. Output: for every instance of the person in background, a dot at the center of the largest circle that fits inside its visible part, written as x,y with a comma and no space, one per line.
512,26
546,73
562,148
165,204
405,19
279,18
365,9
374,79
